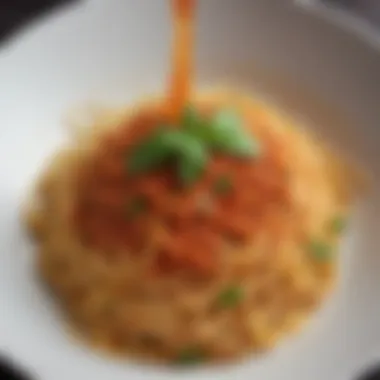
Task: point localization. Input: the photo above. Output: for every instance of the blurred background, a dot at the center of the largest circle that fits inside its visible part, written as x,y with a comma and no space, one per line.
369,9
14,13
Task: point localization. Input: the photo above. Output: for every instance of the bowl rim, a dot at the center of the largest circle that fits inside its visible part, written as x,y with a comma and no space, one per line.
344,19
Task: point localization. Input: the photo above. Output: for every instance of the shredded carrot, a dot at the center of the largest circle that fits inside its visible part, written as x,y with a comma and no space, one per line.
198,221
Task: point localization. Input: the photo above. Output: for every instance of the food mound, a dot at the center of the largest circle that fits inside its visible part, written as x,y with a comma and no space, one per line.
196,240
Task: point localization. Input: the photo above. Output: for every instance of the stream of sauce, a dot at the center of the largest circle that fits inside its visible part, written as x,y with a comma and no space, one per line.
189,227
180,85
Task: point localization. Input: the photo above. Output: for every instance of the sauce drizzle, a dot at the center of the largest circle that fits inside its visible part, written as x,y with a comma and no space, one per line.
187,227
184,12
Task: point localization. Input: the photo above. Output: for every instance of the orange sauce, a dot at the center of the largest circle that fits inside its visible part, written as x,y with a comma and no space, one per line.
184,12
187,228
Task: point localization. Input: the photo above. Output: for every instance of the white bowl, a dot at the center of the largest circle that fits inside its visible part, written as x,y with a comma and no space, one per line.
116,50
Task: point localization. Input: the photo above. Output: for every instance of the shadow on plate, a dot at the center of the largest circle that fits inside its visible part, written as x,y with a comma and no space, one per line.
9,370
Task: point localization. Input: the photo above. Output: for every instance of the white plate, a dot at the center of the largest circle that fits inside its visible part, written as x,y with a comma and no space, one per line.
113,51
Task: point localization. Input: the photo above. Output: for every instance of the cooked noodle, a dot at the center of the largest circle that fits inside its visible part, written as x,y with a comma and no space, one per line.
161,287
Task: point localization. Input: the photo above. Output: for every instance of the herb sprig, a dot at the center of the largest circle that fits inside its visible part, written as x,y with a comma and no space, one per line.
192,145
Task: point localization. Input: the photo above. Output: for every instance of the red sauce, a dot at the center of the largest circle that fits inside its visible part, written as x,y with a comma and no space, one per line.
184,12
195,222
187,228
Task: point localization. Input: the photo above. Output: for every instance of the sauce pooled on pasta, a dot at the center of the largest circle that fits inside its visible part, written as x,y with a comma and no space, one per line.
200,184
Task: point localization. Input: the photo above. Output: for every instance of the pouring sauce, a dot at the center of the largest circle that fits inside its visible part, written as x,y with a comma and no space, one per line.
184,12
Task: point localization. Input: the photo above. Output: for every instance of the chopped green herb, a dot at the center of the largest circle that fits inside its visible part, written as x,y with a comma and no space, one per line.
191,154
196,125
223,185
227,136
190,356
223,132
184,145
190,146
230,297
227,120
192,120
149,154
320,250
190,170
338,225
135,207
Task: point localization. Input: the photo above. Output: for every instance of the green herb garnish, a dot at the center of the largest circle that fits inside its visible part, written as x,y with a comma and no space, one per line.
338,225
320,250
149,154
230,297
191,169
135,207
190,356
223,185
228,136
191,154
223,132
171,144
192,121
191,145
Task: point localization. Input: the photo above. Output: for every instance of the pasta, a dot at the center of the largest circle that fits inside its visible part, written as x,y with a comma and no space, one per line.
225,266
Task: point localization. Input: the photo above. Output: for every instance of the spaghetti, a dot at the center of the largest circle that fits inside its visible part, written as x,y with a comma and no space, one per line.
224,267
191,229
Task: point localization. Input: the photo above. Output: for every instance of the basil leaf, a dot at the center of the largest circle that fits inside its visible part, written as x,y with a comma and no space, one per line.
188,172
191,154
195,125
149,154
243,146
180,143
227,120
192,164
227,135
191,119
190,145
